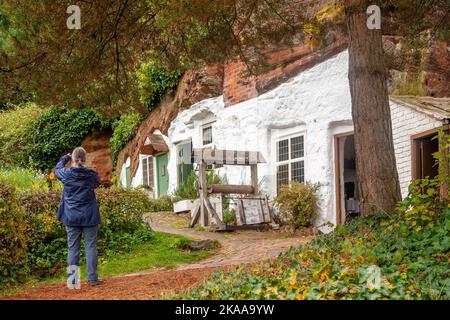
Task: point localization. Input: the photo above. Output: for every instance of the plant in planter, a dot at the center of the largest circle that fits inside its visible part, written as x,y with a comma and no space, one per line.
187,192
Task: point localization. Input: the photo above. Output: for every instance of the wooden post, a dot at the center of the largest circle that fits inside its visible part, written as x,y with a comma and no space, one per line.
230,188
254,178
195,214
203,194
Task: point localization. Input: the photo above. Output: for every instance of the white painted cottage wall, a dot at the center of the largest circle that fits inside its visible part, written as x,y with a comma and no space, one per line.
316,102
407,122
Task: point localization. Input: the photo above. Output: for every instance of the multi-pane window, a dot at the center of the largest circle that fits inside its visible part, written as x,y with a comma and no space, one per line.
147,171
207,137
290,160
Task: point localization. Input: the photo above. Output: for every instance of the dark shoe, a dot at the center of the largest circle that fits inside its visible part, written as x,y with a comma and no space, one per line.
95,282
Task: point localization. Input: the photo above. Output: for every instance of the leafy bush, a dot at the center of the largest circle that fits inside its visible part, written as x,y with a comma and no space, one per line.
155,82
229,217
58,131
15,125
298,203
163,203
13,241
424,201
189,189
124,129
344,265
29,219
47,244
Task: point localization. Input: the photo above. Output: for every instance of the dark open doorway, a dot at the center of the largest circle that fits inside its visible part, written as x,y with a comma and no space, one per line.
347,195
423,162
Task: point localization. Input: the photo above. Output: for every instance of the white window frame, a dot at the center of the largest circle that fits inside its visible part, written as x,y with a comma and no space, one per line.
209,124
287,136
149,167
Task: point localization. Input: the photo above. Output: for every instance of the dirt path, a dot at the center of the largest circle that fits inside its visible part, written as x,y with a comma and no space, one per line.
237,248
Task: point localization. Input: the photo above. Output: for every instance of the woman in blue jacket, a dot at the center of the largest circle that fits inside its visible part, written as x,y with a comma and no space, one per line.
78,210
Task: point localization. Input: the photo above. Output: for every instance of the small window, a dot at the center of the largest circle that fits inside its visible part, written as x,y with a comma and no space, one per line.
207,137
147,172
290,160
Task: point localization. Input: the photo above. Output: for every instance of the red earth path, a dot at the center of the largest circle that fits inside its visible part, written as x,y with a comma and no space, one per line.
238,248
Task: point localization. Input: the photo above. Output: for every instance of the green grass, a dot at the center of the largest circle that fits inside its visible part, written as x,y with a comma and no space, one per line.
26,179
159,253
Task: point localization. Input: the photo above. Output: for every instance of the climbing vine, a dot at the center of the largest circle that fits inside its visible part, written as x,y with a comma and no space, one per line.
58,131
124,130
155,83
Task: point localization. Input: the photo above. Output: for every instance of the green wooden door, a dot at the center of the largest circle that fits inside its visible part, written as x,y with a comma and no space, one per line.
162,174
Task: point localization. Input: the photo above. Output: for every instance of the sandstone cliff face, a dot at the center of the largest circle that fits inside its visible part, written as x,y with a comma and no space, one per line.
437,71
98,147
201,83
423,73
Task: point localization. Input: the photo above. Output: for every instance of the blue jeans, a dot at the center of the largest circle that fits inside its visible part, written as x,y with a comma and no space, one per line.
90,246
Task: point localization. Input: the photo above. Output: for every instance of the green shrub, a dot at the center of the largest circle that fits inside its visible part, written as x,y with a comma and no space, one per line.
58,131
29,219
424,201
412,265
298,203
163,203
229,217
189,189
155,82
13,241
124,129
15,125
122,219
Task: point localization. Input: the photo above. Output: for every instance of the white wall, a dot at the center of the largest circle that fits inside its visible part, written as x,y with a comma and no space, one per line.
316,102
405,123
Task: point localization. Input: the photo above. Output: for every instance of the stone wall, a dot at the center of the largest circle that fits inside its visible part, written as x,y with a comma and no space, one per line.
423,74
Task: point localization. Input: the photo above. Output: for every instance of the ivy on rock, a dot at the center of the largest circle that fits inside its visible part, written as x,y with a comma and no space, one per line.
58,131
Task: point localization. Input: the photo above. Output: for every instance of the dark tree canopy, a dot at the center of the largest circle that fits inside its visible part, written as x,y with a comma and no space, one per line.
96,66
40,58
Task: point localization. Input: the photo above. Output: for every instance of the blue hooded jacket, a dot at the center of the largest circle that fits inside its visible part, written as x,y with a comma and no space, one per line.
78,206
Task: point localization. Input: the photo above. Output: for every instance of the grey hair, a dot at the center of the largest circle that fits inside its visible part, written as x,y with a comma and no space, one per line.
79,156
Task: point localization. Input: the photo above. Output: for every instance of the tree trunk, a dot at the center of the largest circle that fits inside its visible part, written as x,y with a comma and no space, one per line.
375,158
